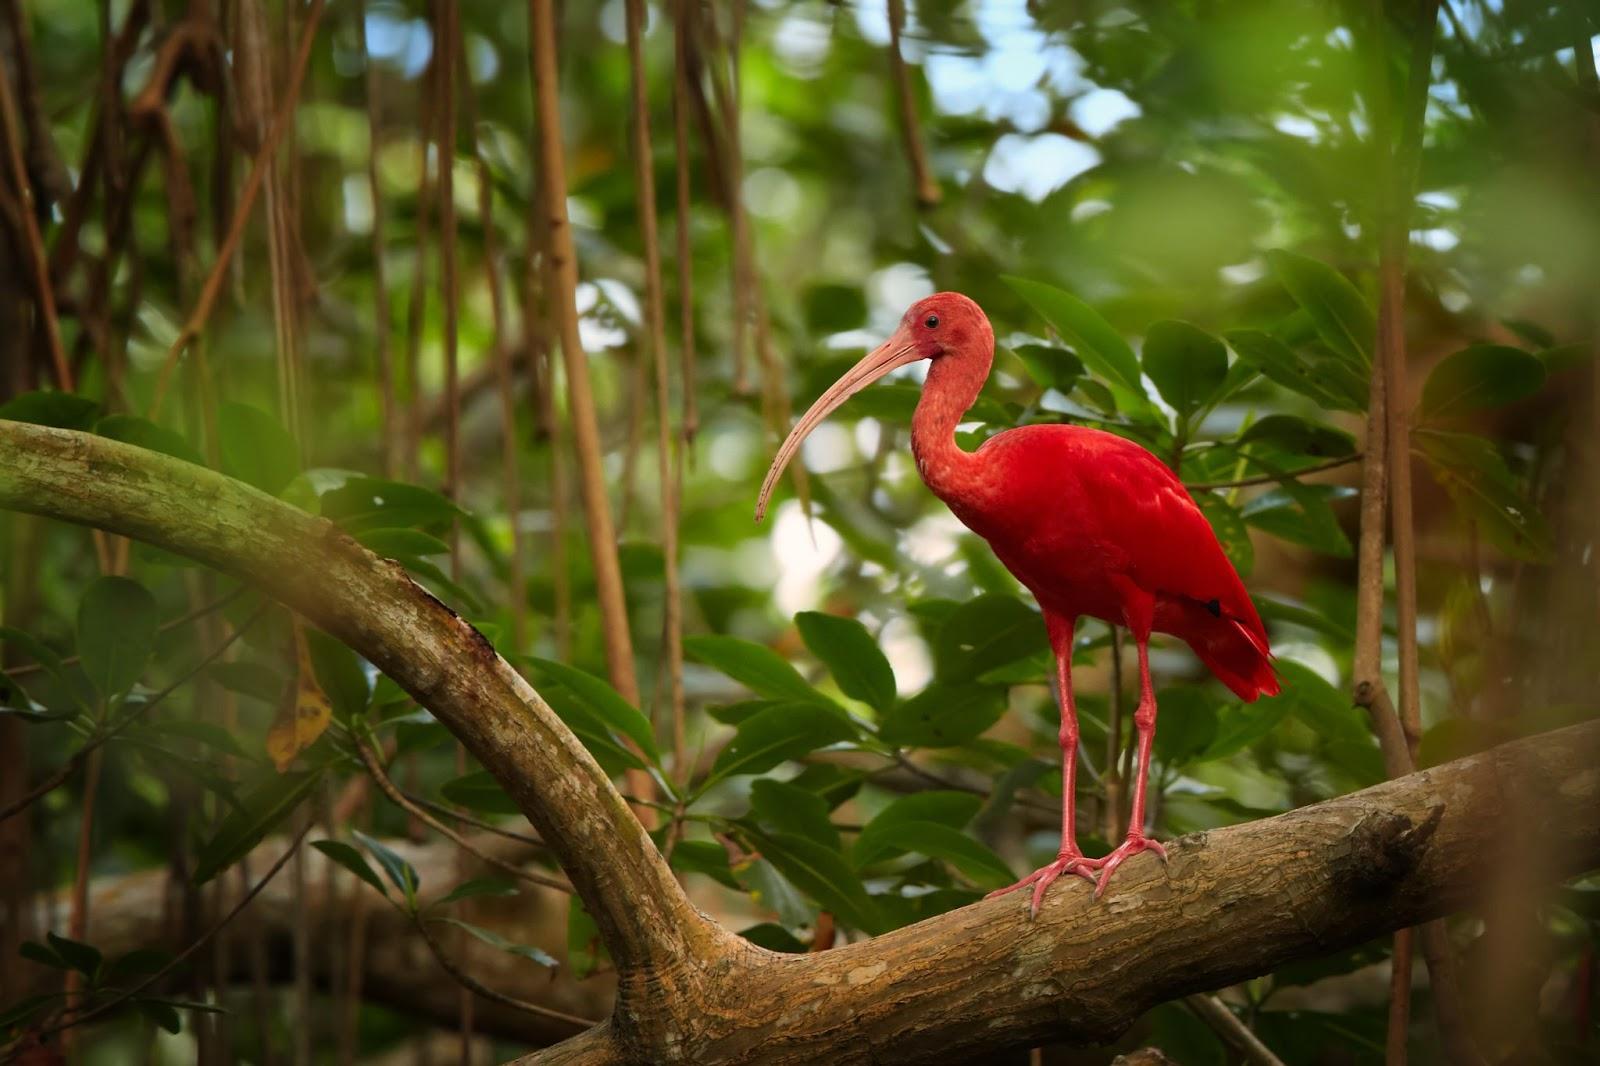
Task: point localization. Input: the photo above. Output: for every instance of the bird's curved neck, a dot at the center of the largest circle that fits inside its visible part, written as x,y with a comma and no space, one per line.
953,384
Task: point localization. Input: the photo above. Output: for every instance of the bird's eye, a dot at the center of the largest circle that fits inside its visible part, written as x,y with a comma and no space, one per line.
932,322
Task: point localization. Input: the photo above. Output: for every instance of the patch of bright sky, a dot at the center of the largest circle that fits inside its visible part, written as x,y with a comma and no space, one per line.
1037,166
772,192
1099,111
801,553
907,654
595,332
393,37
828,449
801,43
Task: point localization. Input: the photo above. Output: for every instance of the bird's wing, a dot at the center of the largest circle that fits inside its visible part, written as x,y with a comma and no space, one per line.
1156,534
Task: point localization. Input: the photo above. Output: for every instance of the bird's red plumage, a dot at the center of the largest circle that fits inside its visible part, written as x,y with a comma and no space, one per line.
1092,523
1070,510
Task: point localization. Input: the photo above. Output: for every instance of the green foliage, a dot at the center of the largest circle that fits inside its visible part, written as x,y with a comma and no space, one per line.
117,622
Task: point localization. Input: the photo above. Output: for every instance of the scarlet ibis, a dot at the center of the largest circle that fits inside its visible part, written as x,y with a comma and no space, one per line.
1090,523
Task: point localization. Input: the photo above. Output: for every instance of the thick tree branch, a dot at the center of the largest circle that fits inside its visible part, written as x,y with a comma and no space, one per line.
1232,904
373,606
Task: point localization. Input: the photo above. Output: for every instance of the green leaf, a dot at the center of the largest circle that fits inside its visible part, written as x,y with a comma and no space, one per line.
162,1014
1340,313
775,735
1478,378
1299,436
784,808
851,655
947,808
1300,513
489,936
1228,524
402,543
1050,367
1099,345
985,632
479,791
606,747
480,886
364,503
943,715
1239,725
38,953
117,623
85,958
1474,473
30,716
1186,363
401,872
256,680
1326,380
143,433
585,949
605,702
955,847
64,410
140,962
260,811
256,448
1188,723
351,860
33,647
704,857
755,666
339,674
821,873
773,937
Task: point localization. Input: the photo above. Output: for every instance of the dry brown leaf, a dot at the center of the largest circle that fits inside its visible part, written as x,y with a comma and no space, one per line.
301,722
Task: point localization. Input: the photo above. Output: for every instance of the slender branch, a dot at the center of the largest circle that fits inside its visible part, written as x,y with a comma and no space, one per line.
473,984
923,185
683,13
259,168
563,273
477,823
182,956
399,798
379,611
1271,479
656,332
380,285
43,286
1233,1032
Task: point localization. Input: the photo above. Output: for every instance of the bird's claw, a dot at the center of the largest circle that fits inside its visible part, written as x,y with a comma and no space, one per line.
1135,843
1042,878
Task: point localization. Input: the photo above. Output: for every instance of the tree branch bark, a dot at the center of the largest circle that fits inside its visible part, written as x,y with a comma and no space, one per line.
373,606
1232,903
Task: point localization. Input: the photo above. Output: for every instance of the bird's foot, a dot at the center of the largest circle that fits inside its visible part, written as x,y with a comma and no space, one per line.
1068,862
1133,845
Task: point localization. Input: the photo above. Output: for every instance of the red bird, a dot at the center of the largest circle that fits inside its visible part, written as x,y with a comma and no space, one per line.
1091,523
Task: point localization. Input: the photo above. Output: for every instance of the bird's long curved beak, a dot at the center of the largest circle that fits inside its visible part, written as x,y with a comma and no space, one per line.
897,351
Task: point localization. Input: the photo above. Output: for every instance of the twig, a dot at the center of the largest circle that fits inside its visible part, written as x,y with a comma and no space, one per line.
563,273
727,92
446,29
182,956
502,360
472,983
183,620
417,309
1231,1030
477,823
45,291
93,743
380,287
683,13
656,332
924,187
259,168
390,789
1269,479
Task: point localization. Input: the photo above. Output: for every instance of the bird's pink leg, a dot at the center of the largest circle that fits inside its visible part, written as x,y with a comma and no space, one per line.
1069,860
1144,720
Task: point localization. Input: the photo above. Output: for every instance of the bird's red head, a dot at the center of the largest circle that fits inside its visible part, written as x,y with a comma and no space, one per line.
944,325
